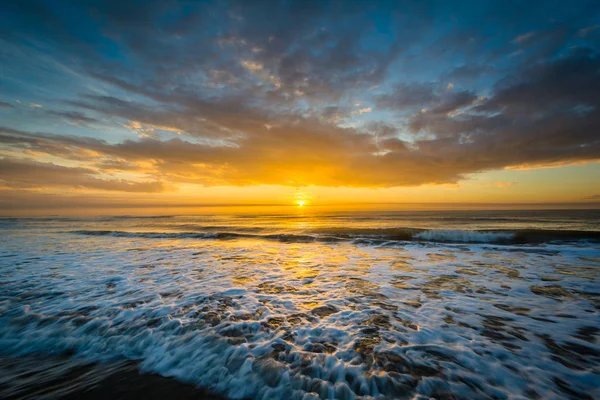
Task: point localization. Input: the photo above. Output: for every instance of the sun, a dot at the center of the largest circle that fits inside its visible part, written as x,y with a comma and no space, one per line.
301,198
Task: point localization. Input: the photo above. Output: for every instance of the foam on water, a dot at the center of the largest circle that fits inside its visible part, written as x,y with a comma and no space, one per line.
463,236
249,318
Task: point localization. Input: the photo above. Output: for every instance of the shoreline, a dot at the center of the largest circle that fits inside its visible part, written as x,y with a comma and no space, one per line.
49,377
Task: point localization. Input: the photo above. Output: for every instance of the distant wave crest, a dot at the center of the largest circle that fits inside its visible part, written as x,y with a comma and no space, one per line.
371,236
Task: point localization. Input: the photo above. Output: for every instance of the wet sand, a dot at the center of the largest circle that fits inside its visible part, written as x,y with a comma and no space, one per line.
46,377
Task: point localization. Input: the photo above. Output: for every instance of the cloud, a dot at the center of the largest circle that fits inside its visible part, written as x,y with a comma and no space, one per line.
524,37
546,114
453,102
466,74
30,105
23,173
149,130
247,101
408,96
431,98
4,105
503,185
74,117
588,30
362,110
252,66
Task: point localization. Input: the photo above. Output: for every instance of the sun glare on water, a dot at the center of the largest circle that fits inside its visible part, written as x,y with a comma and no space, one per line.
300,203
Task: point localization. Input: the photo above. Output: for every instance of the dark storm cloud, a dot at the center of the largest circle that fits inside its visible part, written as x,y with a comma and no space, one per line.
271,92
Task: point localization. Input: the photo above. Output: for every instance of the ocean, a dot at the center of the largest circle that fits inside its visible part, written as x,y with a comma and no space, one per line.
302,304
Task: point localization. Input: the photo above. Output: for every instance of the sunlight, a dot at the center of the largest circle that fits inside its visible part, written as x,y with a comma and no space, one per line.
301,203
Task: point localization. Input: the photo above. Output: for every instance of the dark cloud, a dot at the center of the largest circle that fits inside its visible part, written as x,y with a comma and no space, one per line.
548,113
570,81
453,101
468,73
74,117
406,97
431,97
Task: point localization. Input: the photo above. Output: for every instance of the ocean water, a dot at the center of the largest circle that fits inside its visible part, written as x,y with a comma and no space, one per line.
307,304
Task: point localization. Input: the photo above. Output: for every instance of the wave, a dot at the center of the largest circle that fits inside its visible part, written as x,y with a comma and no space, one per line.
163,235
120,217
373,236
460,236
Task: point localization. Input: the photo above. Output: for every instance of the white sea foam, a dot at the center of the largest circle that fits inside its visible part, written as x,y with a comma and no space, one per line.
264,319
465,236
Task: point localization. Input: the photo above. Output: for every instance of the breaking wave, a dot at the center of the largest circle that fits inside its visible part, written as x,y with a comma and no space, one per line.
370,236
458,236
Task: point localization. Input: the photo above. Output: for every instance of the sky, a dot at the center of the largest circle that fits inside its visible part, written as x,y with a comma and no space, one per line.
190,103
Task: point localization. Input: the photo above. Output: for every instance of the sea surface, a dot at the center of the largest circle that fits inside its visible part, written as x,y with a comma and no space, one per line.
302,304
